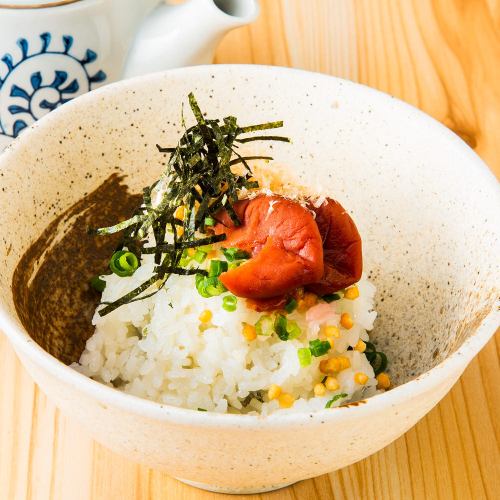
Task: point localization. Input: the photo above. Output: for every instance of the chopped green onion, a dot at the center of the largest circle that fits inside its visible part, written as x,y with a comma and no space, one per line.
234,265
234,253
201,286
97,284
214,286
291,305
229,303
335,398
286,329
123,263
209,221
200,256
382,365
377,359
201,409
293,329
217,267
206,248
265,325
305,357
319,347
242,255
185,259
209,286
128,262
280,327
330,297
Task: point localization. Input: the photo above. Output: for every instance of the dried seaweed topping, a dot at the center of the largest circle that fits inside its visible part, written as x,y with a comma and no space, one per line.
198,181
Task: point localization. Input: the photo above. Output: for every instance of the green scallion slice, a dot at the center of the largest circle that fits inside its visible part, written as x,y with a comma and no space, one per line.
217,267
377,359
128,262
185,259
214,286
319,347
229,303
264,325
293,329
209,221
201,286
123,263
97,284
382,365
305,357
200,256
330,297
209,286
234,253
291,305
335,398
280,327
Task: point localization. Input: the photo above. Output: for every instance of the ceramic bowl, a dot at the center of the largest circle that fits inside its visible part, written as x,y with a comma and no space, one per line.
425,205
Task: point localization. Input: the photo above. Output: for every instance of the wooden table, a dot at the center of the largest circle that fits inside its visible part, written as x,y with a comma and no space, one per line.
442,56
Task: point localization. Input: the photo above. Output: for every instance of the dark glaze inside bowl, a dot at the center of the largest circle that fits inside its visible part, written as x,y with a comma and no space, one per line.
51,289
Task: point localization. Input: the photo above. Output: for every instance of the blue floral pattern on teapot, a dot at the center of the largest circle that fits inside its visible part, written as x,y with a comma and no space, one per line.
40,81
69,47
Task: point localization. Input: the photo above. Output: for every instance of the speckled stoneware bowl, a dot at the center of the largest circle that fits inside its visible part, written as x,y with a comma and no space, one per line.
426,206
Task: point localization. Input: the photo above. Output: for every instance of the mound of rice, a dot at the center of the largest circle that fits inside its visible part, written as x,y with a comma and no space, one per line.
159,349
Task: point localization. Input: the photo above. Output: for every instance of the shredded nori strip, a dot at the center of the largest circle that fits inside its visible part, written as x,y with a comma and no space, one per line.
198,176
252,395
165,247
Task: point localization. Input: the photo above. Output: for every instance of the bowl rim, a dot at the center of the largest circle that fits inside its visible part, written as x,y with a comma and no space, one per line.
449,368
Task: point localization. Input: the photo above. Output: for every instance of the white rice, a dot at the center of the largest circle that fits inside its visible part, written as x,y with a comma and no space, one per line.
158,349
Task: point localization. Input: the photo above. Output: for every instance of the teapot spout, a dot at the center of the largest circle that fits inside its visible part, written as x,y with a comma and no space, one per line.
186,34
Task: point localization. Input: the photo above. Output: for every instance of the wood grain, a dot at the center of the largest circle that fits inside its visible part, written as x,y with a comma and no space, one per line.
442,56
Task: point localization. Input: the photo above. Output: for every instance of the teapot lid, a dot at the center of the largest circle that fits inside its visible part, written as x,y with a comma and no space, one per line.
33,4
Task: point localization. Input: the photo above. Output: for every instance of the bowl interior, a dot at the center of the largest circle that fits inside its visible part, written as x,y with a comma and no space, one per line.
423,202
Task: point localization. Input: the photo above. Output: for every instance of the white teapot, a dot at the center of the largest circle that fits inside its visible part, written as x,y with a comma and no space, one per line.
52,51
